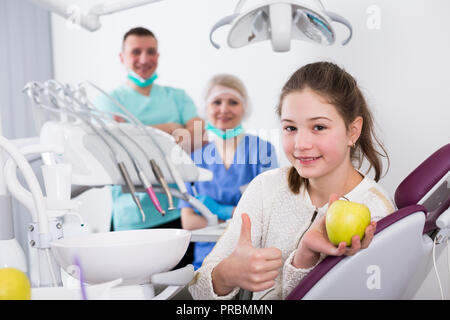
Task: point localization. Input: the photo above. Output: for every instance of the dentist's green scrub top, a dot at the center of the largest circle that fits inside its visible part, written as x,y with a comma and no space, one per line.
165,104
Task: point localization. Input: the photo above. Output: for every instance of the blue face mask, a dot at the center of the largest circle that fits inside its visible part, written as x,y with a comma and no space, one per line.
139,81
229,133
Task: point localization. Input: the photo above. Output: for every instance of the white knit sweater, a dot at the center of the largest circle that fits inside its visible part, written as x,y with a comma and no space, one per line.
278,219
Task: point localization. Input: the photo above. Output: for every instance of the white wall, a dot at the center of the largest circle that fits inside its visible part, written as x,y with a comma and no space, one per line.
402,67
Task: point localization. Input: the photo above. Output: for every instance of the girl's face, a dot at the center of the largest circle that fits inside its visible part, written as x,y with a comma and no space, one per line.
315,138
224,111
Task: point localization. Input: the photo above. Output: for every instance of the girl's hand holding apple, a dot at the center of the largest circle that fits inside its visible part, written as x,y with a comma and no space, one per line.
316,241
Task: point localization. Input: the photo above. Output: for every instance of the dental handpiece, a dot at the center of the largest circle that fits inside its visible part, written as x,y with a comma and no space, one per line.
130,185
159,176
151,193
194,189
177,177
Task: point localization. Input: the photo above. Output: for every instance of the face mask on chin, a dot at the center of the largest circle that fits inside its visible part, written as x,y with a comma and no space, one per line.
224,135
139,81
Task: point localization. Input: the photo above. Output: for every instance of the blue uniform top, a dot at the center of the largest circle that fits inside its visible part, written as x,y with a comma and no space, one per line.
165,104
253,156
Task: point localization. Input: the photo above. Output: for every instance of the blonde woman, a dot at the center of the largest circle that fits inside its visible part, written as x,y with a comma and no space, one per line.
235,158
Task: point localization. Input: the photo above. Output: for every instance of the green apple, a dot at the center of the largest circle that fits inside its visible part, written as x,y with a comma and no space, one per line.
344,219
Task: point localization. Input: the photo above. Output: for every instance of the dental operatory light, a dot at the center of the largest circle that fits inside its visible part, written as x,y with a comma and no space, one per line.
281,21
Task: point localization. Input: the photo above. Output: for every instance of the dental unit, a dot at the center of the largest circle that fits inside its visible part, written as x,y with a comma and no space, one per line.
108,265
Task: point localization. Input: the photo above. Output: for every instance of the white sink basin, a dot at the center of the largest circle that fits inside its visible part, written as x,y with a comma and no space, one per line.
133,255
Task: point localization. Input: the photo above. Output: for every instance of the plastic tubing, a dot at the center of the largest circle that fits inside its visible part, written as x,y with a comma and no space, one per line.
41,212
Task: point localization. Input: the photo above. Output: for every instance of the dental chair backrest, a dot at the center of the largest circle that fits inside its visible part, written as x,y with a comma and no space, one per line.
401,246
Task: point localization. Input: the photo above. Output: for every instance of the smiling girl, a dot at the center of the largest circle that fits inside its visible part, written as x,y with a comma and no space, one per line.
277,234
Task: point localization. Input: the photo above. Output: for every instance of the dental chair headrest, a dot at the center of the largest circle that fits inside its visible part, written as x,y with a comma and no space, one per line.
428,185
419,182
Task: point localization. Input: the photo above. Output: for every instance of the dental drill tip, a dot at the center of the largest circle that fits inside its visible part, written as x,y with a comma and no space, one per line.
171,208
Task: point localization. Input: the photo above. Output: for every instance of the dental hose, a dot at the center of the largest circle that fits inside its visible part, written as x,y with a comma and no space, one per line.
129,183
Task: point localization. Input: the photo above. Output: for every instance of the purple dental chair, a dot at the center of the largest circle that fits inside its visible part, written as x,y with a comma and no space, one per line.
398,259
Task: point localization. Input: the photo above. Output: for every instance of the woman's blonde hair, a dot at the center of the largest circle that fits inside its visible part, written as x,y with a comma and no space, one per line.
232,82
341,90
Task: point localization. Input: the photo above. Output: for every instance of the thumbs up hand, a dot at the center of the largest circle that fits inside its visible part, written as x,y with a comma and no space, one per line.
249,268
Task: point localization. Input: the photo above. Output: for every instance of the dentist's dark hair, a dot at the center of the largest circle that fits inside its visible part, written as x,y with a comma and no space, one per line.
341,90
139,32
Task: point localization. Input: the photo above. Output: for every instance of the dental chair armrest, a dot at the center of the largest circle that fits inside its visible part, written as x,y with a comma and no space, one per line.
330,261
398,215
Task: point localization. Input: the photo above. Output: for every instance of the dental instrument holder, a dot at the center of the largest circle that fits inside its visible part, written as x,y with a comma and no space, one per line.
93,165
155,168
174,173
87,170
79,99
53,90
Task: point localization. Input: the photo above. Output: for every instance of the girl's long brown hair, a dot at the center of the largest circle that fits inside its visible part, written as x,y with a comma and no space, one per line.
341,90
